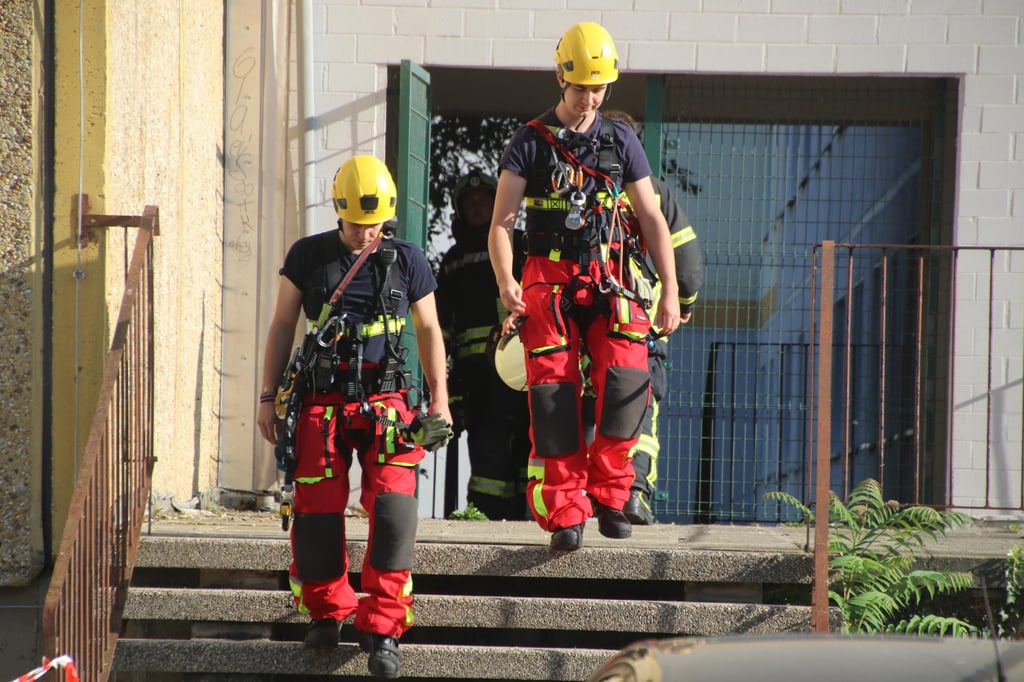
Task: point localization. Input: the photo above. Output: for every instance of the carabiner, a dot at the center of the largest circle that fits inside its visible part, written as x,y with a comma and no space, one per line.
561,178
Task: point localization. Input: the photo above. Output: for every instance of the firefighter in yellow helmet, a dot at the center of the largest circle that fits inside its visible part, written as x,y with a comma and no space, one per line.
347,391
569,168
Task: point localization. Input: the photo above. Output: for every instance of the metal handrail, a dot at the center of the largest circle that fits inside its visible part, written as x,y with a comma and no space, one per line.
1003,287
85,600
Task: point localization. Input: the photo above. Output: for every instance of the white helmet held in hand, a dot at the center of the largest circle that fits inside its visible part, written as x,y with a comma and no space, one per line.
510,361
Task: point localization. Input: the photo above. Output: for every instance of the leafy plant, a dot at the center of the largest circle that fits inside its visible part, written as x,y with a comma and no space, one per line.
459,144
470,513
1010,623
871,546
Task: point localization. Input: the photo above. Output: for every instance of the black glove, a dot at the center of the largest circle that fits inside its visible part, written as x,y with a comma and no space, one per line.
430,431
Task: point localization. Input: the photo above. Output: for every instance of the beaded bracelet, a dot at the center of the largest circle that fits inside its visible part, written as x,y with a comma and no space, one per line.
267,397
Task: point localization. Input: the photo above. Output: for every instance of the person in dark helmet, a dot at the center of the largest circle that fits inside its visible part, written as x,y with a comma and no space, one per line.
494,416
356,285
572,170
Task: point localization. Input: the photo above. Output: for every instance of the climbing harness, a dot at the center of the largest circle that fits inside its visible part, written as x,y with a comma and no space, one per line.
620,240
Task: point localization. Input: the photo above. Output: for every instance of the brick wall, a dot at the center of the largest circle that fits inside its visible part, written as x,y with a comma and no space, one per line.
980,40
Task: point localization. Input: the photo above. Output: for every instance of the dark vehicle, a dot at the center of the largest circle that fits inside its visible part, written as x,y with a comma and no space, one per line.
817,658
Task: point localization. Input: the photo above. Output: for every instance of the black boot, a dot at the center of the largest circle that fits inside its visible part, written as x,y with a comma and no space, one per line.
383,652
637,509
612,522
323,633
568,539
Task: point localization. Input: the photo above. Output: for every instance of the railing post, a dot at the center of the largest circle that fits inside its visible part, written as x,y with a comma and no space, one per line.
819,591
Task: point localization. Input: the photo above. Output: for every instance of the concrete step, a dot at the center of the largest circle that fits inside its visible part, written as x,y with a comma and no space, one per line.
259,660
528,561
494,612
492,601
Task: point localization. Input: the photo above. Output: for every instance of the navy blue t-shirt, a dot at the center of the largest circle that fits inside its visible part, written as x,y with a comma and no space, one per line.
521,154
309,266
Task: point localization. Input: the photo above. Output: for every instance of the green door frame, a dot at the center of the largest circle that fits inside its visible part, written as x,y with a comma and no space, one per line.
413,163
653,118
413,171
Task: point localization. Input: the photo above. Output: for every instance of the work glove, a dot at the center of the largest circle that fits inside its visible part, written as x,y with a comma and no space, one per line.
430,431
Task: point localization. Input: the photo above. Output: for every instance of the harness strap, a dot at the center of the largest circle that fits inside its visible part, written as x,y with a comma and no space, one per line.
568,244
584,255
563,204
550,138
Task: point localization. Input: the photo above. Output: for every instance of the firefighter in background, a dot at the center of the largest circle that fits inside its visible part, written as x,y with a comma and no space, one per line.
571,166
690,277
356,285
495,417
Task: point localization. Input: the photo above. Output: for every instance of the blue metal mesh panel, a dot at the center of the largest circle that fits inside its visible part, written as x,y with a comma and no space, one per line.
761,194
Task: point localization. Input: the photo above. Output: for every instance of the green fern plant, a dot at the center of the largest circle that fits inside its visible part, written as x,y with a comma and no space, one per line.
1011,616
871,546
470,513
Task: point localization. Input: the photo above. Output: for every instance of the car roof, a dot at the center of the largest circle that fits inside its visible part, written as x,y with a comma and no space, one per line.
798,657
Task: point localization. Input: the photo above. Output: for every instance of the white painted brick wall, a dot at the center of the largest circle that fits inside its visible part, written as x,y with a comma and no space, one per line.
912,29
842,30
663,56
1002,118
880,59
983,30
786,28
989,90
824,7
796,58
984,147
491,24
433,22
941,59
948,7
703,27
981,41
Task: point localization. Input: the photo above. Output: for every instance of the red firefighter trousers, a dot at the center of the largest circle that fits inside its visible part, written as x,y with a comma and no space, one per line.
328,431
565,308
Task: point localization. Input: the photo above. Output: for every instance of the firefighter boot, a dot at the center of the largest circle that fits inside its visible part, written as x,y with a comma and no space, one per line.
323,633
637,510
383,652
612,522
568,539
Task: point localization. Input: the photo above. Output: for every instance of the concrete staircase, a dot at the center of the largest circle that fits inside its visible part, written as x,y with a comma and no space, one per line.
211,602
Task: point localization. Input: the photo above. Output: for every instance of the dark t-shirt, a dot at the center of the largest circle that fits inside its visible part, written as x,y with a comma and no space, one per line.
309,266
528,150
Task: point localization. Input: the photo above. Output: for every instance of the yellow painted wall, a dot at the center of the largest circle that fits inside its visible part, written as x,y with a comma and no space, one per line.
79,319
164,117
153,135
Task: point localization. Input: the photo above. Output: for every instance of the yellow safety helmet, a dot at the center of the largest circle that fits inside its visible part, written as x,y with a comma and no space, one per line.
586,55
364,192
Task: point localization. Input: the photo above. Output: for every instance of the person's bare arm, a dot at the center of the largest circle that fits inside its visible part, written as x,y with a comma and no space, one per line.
659,244
280,337
509,196
430,345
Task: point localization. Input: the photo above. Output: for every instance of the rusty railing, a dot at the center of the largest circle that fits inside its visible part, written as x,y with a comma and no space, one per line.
85,601
918,368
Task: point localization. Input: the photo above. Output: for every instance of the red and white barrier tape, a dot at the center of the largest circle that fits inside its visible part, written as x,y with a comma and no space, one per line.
64,662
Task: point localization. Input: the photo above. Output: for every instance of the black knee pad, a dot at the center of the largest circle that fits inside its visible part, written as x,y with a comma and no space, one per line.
625,402
556,421
394,531
319,545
